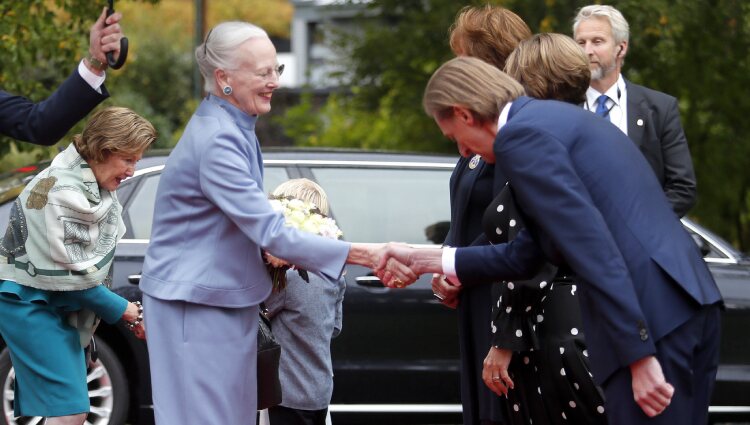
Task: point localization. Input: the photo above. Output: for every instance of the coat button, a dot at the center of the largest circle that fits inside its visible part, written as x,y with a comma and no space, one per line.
644,334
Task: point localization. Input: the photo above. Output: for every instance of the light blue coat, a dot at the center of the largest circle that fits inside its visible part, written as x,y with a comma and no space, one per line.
212,219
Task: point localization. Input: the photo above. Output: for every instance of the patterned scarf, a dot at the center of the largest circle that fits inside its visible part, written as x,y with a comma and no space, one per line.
63,229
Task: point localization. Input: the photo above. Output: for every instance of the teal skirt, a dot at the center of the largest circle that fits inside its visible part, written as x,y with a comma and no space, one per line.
46,353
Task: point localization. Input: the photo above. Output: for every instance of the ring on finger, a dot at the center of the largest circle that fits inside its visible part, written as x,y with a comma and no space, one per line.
496,378
438,296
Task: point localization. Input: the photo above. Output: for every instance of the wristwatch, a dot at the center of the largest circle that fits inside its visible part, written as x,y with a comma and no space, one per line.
96,63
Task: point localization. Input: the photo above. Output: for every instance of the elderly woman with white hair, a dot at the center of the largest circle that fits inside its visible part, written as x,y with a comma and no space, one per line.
204,273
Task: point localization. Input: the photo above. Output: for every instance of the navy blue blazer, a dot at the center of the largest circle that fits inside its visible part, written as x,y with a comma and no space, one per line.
466,217
46,122
591,202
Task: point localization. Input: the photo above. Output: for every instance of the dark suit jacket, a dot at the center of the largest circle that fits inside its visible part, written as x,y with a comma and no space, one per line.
662,141
471,190
591,202
44,123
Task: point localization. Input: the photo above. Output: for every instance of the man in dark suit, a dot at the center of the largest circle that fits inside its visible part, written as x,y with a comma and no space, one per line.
591,204
44,123
650,118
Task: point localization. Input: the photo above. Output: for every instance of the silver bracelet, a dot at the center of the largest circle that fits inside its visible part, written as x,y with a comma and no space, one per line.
139,319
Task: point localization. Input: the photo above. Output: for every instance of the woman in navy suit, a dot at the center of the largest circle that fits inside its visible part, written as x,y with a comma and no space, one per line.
490,33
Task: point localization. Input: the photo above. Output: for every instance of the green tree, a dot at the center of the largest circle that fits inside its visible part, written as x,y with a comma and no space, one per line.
40,43
696,50
388,63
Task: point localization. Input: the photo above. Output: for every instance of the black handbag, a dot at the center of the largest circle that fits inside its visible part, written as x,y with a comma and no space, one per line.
269,352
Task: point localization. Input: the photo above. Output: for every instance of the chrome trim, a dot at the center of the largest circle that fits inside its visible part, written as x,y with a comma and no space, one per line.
456,408
135,241
146,170
393,164
712,241
729,409
720,260
360,163
421,246
395,408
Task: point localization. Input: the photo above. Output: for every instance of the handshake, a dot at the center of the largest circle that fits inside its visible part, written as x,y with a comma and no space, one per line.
396,264
399,265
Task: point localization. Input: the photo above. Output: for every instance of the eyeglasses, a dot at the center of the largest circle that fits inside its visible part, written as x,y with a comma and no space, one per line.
268,73
205,43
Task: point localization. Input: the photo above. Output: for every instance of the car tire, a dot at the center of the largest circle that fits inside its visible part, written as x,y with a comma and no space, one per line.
108,389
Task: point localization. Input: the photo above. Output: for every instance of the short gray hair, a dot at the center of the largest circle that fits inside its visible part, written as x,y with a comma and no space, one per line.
620,27
219,50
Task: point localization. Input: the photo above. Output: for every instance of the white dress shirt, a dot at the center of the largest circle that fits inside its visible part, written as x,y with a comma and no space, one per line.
95,81
617,103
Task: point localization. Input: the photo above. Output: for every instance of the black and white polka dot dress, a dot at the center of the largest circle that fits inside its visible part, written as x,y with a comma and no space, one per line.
539,319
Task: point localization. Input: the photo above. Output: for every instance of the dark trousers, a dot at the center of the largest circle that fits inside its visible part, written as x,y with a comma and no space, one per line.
689,357
280,415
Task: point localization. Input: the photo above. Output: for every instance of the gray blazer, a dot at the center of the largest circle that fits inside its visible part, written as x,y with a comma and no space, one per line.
305,317
654,125
212,218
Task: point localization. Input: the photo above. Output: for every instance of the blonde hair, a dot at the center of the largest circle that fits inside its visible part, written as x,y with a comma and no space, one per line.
471,83
489,33
304,190
114,130
551,66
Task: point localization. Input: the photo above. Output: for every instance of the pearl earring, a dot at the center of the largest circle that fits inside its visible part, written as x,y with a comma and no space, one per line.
227,90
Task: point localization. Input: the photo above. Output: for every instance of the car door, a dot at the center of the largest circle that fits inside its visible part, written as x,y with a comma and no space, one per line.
731,271
396,346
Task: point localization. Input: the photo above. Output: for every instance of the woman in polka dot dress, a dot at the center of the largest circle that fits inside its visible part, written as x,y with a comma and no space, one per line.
537,322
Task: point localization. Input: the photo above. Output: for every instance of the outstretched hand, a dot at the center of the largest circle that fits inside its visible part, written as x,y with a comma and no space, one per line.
394,266
651,390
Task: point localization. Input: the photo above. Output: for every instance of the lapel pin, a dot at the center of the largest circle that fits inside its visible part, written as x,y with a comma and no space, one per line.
474,162
639,122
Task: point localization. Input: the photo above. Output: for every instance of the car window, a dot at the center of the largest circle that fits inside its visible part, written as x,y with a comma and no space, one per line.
273,176
140,208
378,205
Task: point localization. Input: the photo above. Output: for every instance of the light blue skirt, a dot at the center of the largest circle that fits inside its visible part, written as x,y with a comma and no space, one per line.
46,354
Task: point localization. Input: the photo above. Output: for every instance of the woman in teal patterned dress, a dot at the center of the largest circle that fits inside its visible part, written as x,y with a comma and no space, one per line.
54,259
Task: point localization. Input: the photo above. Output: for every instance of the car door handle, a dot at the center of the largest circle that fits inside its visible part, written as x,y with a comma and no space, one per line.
369,281
134,279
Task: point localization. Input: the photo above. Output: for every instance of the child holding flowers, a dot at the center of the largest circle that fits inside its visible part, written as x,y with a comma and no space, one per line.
305,313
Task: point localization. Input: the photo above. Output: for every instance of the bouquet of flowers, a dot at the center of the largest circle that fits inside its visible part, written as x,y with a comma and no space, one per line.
303,216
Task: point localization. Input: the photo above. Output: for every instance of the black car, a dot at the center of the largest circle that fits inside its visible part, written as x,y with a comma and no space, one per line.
397,357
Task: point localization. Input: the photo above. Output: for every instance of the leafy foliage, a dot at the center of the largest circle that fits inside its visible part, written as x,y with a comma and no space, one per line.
41,42
389,61
695,50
